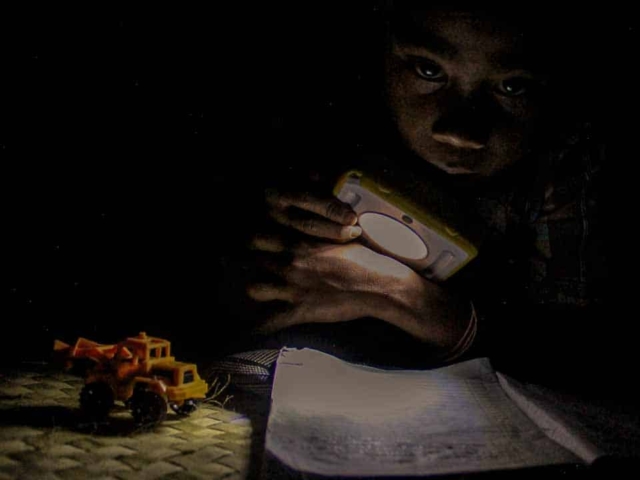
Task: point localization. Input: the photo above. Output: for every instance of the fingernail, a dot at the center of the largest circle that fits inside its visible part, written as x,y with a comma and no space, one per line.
354,232
351,218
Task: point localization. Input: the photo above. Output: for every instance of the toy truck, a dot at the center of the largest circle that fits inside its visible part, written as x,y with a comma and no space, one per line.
138,371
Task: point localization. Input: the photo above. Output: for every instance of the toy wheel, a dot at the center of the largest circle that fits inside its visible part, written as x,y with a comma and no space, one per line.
189,406
96,399
148,407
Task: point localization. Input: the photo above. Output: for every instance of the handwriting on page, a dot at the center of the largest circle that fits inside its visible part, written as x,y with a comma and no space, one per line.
333,418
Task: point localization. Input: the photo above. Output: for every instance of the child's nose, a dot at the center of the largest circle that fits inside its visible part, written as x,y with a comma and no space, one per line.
465,125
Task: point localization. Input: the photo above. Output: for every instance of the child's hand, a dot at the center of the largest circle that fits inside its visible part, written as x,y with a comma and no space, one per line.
321,278
327,282
326,218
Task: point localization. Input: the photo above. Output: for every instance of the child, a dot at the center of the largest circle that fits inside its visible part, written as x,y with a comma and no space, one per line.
481,102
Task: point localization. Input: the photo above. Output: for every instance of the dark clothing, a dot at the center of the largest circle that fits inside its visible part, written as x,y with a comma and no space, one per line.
543,286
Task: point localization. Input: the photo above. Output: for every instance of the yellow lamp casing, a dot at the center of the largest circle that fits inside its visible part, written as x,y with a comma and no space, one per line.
395,225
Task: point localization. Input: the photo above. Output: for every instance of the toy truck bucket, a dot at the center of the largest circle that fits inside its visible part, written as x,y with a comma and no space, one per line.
88,349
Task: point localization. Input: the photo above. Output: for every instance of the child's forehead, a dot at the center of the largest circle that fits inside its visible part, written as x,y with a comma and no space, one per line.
453,31
462,27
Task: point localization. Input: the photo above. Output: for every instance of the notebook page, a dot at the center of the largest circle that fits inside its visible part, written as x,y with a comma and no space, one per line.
331,417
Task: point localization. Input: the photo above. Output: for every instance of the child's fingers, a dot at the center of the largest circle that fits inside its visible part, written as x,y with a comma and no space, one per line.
316,226
329,208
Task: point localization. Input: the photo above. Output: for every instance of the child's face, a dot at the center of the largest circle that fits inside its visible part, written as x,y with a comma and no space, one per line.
465,95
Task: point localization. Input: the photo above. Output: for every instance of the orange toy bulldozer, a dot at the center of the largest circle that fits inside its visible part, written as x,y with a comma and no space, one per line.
138,371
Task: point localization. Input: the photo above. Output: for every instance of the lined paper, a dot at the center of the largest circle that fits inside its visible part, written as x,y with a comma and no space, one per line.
331,417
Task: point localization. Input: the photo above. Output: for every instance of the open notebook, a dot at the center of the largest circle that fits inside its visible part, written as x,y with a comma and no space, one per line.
330,417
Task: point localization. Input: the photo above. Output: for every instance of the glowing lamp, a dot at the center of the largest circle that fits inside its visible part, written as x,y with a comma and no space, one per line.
393,236
395,225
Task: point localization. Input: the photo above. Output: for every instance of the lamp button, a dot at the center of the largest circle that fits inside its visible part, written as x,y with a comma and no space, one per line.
352,198
443,262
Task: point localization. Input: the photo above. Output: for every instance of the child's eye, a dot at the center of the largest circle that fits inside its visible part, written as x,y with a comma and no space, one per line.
429,70
515,87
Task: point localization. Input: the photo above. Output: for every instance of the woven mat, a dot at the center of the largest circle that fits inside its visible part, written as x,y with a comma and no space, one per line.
42,436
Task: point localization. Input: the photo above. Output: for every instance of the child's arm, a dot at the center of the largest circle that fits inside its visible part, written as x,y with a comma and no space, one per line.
325,280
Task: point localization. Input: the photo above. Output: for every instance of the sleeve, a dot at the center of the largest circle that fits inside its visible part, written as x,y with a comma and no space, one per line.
464,346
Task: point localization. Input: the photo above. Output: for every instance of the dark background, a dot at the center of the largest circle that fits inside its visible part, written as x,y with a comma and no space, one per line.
135,142
134,145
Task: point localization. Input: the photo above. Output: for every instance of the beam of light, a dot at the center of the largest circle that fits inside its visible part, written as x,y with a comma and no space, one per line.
393,236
